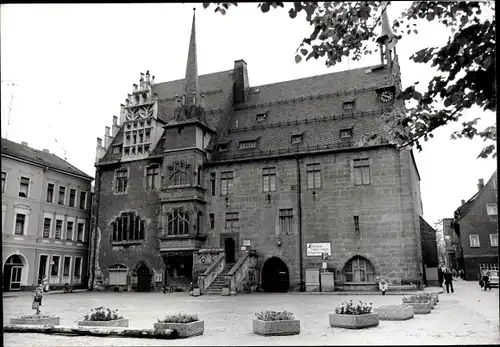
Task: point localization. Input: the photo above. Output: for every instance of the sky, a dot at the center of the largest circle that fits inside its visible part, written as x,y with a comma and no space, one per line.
72,66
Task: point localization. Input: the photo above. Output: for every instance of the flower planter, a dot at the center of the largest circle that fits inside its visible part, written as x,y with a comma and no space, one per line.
352,321
35,321
395,312
183,329
121,323
421,308
276,328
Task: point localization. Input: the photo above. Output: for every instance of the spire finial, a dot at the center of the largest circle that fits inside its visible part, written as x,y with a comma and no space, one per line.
386,32
191,86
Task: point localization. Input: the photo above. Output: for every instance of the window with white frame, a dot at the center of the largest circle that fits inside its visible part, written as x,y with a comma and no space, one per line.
269,179
20,224
69,230
50,192
47,223
58,230
77,270
54,269
83,200
66,266
121,181
286,221
80,231
361,171
233,221
72,197
118,275
24,186
4,179
313,175
62,195
247,144
494,266
494,240
474,240
226,182
491,209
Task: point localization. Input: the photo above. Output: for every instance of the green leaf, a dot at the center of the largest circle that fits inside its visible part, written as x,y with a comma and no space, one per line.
304,51
298,58
292,13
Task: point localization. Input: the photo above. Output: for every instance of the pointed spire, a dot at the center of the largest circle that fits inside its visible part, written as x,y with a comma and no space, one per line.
386,34
191,86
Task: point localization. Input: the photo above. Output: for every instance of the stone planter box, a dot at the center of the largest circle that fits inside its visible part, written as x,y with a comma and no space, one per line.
39,321
276,328
352,321
395,312
183,329
196,292
421,308
121,323
225,291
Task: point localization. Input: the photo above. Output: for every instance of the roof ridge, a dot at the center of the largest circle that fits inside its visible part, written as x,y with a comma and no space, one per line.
319,75
182,79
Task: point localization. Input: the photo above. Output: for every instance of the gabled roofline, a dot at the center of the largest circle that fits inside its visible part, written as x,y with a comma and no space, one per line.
475,197
31,162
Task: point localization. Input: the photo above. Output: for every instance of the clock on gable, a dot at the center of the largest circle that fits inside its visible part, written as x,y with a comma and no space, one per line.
386,96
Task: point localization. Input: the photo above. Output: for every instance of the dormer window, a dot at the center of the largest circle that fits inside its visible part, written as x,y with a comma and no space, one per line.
296,139
223,147
348,105
247,144
346,133
116,150
261,117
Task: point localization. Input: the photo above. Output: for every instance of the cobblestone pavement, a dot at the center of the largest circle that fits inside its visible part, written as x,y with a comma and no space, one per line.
468,316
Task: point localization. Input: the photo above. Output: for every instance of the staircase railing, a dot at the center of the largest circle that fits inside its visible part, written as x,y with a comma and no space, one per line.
239,272
210,274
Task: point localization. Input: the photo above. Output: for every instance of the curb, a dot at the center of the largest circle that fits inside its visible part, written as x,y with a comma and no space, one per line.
28,293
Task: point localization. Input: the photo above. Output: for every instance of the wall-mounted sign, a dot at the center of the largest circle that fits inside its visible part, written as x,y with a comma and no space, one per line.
246,242
317,249
158,277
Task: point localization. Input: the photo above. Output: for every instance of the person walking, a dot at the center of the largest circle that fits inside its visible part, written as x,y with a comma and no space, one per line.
448,281
486,279
440,276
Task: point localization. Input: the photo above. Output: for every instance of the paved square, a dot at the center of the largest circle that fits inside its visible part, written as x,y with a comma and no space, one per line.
469,316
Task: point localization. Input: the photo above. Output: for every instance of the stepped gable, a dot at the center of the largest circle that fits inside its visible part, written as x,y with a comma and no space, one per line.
312,107
21,151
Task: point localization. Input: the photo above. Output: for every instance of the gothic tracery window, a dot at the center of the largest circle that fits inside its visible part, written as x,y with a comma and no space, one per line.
128,227
178,174
178,222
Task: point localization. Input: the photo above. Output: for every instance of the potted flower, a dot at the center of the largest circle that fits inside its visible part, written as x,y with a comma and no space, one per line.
184,324
275,323
421,305
395,312
351,316
103,317
431,297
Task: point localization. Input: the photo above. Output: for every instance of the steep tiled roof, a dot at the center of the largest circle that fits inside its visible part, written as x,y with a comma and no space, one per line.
17,150
462,210
311,106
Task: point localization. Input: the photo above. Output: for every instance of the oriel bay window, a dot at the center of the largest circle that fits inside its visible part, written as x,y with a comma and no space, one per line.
128,227
178,222
178,174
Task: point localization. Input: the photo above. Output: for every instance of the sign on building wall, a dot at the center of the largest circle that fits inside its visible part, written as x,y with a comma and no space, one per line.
246,242
317,249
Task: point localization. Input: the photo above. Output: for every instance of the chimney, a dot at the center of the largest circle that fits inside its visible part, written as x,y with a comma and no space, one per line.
106,137
480,184
46,150
115,128
240,78
100,151
463,202
24,143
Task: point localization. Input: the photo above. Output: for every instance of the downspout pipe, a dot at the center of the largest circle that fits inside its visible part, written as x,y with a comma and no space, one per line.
299,212
97,193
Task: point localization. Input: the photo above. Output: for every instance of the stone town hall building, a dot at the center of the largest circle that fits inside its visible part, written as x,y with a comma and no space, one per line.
213,181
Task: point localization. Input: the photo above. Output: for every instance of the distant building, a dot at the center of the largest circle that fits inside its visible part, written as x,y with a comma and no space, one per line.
209,179
476,223
453,250
45,218
429,252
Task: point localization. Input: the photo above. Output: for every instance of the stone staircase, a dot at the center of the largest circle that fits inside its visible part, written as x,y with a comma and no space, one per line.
218,283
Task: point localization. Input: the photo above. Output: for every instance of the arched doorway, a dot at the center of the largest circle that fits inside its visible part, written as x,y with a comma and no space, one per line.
275,276
12,273
359,270
229,249
143,278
